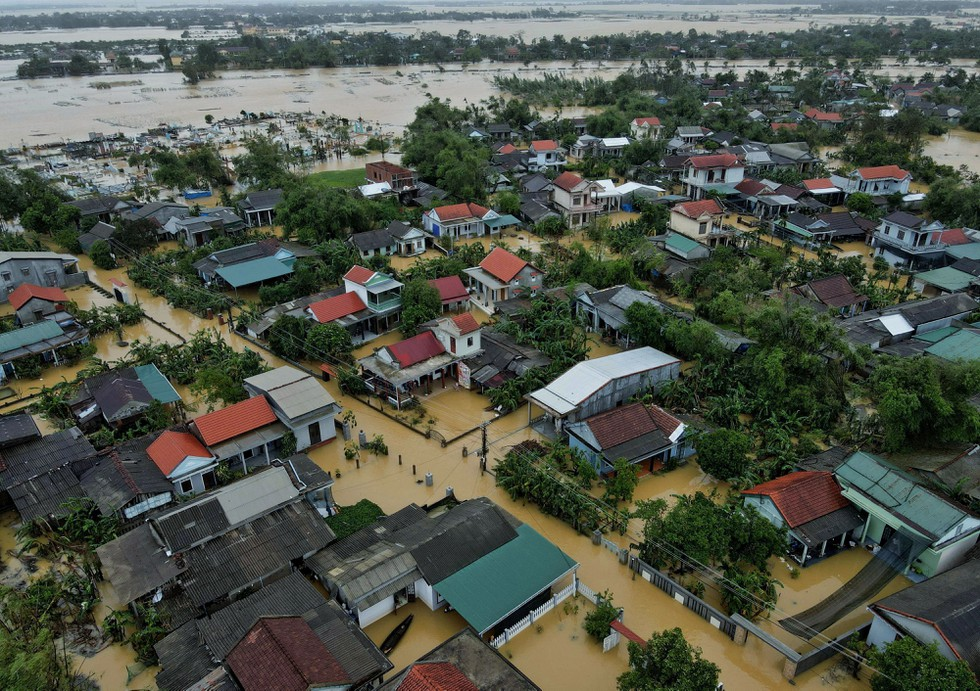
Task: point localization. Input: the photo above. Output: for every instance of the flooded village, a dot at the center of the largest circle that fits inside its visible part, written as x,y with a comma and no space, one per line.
504,372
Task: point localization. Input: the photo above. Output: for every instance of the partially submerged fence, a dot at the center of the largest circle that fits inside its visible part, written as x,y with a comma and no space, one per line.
574,587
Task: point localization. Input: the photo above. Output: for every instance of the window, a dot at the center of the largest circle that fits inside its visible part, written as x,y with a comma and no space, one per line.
452,344
186,486
901,235
702,228
577,200
6,276
25,270
469,342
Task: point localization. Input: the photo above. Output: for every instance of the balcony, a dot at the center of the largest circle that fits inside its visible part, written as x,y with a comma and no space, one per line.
915,248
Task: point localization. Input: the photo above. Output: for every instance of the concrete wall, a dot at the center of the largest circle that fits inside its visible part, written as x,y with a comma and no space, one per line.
366,617
621,390
427,594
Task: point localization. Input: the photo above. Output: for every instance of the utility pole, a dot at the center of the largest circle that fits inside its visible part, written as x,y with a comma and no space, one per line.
483,447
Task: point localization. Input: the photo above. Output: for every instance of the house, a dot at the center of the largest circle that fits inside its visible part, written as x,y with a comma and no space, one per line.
294,308
825,121
810,505
125,482
396,176
500,359
948,279
216,546
246,433
117,397
500,132
584,146
702,221
605,310
793,156
464,662
501,276
646,128
380,293
44,339
642,434
882,329
544,154
958,469
346,310
915,528
17,428
452,292
833,293
196,231
825,191
259,207
611,147
906,240
878,181
600,384
184,461
623,197
684,247
575,198
192,655
475,557
397,238
158,212
461,221
102,207
247,264
40,475
33,303
691,134
397,371
716,173
48,269
943,611
824,228
300,402
100,231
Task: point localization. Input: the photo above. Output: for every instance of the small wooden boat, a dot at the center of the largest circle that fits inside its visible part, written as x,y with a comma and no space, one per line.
396,635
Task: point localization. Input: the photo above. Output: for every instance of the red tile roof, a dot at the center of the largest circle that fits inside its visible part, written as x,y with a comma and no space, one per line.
224,424
819,184
821,116
715,161
436,676
358,274
883,172
653,122
954,236
567,181
750,187
775,126
502,265
336,307
836,291
465,323
451,289
285,654
25,291
456,212
416,349
544,145
803,496
697,209
171,448
507,149
620,425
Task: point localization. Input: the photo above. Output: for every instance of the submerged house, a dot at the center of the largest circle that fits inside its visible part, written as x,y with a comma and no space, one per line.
810,505
245,435
259,207
833,293
256,262
118,397
452,292
33,303
184,461
125,482
644,435
300,402
43,339
501,276
380,293
476,557
605,310
38,268
347,311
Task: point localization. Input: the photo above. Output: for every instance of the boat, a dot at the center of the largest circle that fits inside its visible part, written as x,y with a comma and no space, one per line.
396,635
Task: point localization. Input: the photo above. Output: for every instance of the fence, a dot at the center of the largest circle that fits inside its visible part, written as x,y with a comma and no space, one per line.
554,601
684,596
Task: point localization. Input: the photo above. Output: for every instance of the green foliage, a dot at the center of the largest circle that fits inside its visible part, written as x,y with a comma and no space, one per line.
287,445
723,453
101,254
597,621
350,519
863,204
508,202
30,662
750,593
287,337
907,665
314,213
377,446
350,382
67,239
620,485
100,320
147,634
420,303
329,341
668,662
265,166
954,203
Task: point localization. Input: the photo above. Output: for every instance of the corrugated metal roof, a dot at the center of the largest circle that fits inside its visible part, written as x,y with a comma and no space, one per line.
135,563
962,345
254,271
157,384
495,586
946,278
38,456
29,335
294,392
44,495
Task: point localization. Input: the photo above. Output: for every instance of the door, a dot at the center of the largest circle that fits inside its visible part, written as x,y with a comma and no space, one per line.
315,437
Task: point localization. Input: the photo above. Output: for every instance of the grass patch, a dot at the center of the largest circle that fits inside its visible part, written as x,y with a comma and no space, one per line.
353,518
339,178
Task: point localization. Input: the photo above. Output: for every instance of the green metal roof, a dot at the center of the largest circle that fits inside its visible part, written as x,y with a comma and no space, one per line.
946,278
962,345
254,271
503,220
898,494
937,335
796,230
29,335
156,384
495,586
680,243
968,251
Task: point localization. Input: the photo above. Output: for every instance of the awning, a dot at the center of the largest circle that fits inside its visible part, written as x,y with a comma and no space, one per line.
501,221
250,440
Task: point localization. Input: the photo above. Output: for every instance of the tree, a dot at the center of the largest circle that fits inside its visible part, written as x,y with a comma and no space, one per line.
101,255
287,337
265,165
597,621
329,341
620,485
508,202
421,302
864,204
668,663
724,453
907,665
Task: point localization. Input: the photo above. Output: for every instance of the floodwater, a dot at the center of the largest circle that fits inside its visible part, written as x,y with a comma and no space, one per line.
958,148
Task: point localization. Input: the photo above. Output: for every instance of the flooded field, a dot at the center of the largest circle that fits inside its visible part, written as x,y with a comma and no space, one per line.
958,148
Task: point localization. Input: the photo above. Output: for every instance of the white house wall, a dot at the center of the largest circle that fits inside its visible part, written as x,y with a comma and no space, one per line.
920,630
427,594
366,617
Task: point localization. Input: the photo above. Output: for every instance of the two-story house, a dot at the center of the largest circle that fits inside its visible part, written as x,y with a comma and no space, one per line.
379,292
48,269
701,221
718,173
910,241
646,128
397,238
300,402
544,154
501,276
396,176
575,198
878,181
458,221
